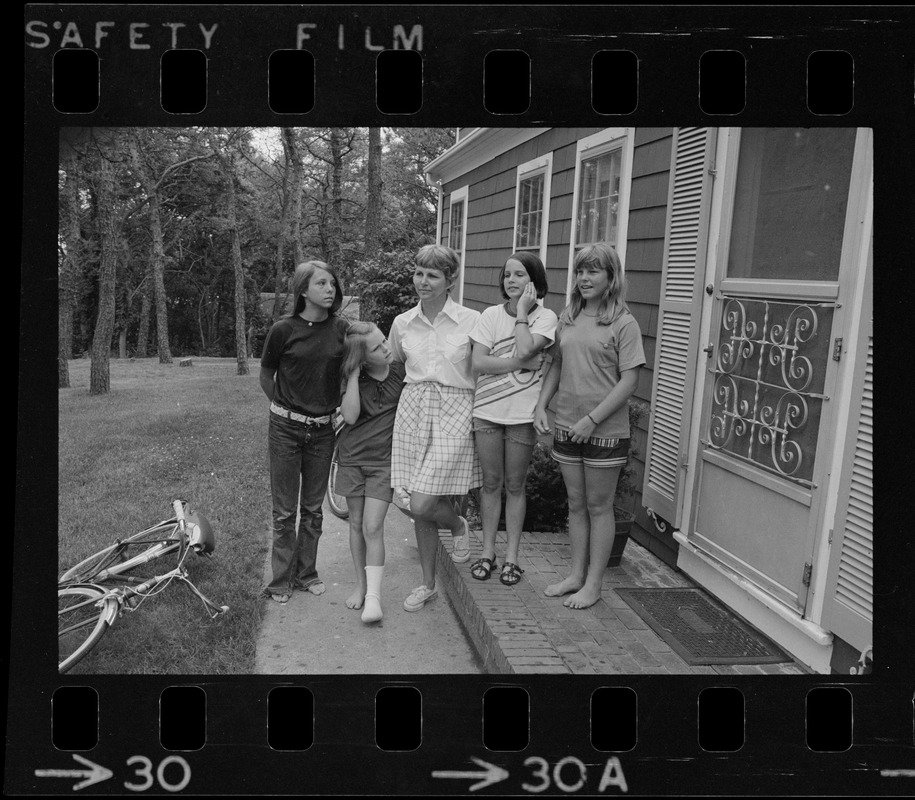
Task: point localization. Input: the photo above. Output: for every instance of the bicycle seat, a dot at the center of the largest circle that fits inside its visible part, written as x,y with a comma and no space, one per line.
200,533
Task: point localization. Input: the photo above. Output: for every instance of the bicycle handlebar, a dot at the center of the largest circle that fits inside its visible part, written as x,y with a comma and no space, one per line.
178,506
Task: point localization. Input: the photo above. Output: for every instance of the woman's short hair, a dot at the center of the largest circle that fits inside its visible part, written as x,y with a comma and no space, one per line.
444,259
535,271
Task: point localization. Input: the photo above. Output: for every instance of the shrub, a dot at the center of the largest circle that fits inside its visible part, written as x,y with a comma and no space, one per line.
547,503
384,285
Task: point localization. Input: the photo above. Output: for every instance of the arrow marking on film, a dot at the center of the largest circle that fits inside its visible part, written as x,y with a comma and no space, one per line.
492,774
95,773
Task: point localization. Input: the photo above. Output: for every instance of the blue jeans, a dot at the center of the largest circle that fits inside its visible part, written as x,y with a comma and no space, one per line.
300,458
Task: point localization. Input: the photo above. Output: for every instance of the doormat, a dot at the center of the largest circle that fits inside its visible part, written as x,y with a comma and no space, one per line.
698,630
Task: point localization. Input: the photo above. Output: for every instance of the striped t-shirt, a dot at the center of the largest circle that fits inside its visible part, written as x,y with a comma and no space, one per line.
510,398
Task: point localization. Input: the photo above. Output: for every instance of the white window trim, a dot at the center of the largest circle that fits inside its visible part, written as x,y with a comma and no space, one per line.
594,145
542,164
459,195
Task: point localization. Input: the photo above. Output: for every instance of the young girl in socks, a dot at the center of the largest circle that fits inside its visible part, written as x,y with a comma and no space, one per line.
507,345
300,374
594,371
372,382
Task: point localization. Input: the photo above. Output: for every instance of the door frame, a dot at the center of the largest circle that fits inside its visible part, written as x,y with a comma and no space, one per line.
848,288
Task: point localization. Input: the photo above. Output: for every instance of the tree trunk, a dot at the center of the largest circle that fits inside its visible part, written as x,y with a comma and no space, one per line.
373,205
66,289
294,157
241,344
145,305
99,371
157,250
158,272
335,243
122,344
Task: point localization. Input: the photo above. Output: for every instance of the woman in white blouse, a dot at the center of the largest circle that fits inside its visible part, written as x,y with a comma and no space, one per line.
433,454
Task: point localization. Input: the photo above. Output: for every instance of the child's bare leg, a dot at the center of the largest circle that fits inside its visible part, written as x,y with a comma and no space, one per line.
491,452
517,459
373,516
357,547
373,532
579,531
600,486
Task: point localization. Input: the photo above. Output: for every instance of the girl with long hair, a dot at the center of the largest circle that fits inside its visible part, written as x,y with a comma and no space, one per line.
300,374
594,371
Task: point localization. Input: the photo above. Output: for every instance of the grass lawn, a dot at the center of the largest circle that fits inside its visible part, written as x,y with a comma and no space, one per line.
164,432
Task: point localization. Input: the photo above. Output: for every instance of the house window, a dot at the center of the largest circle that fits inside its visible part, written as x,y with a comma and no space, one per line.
600,208
532,205
456,234
456,237
599,198
530,213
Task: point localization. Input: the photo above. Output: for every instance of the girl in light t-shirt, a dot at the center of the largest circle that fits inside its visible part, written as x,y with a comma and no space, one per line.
594,371
507,351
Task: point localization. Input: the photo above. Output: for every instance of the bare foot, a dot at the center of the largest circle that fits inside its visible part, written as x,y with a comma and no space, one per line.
582,599
567,586
356,599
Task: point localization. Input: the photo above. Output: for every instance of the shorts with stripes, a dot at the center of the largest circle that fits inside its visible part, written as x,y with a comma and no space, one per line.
433,449
596,452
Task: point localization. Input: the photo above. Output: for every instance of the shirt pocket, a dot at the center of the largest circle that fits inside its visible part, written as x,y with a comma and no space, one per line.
605,350
457,347
413,347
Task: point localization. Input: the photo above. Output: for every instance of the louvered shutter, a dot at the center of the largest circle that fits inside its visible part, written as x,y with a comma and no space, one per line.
849,606
685,248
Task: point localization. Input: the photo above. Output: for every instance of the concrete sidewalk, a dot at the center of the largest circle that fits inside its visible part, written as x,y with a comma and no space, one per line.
319,635
518,629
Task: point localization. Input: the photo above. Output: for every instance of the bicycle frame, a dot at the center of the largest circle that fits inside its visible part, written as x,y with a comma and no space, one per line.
94,590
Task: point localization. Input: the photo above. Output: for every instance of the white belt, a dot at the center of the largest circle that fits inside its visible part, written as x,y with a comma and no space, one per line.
285,412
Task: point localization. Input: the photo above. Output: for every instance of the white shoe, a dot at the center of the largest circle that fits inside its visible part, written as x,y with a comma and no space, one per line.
460,550
418,598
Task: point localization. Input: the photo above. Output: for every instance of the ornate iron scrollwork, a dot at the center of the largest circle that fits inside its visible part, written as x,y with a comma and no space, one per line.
762,400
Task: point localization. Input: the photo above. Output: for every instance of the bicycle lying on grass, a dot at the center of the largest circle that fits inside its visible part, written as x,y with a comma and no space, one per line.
92,594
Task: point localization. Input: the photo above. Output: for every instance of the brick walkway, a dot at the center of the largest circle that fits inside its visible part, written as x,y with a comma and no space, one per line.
520,630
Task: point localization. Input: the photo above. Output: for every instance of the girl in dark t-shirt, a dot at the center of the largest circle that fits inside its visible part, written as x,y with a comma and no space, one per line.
300,374
373,383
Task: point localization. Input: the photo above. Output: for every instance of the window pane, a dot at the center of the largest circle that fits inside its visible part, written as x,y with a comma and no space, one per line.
599,198
789,208
457,225
530,211
536,189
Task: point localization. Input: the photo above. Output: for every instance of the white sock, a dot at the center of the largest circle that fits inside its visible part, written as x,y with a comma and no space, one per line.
371,612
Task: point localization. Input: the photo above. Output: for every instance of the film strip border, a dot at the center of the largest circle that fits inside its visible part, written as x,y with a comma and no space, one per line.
332,737
495,65
506,79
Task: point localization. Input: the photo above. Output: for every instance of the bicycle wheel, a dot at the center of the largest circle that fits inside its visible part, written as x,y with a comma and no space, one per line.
86,570
337,502
81,622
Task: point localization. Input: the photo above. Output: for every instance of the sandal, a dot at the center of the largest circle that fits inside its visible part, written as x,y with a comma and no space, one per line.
511,573
282,599
482,568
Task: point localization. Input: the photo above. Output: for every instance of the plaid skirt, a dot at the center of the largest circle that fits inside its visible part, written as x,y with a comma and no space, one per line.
433,449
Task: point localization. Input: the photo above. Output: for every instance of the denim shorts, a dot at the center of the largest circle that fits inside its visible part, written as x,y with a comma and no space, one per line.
600,453
520,434
368,481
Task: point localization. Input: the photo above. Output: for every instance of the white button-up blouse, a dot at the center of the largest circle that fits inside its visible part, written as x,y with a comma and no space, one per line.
435,351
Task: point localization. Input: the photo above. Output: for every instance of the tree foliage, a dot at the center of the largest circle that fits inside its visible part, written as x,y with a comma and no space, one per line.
169,237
